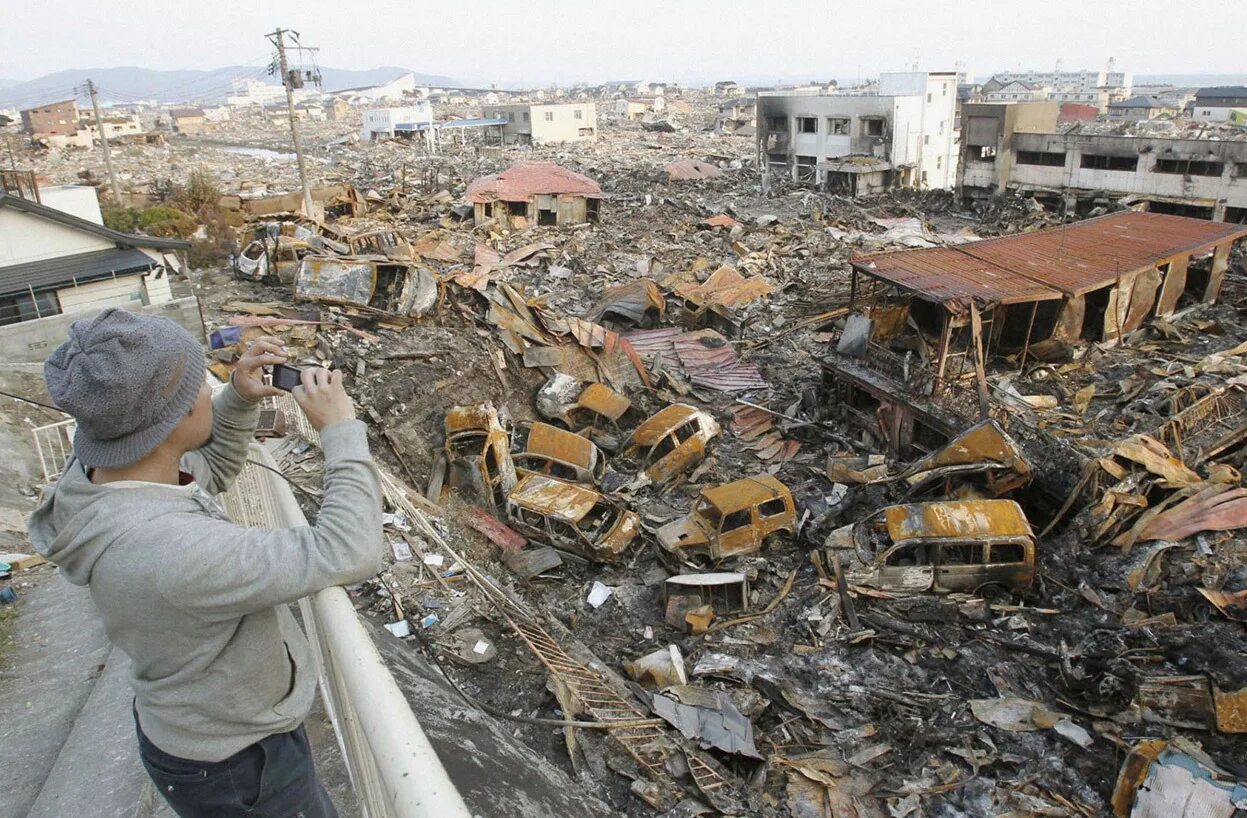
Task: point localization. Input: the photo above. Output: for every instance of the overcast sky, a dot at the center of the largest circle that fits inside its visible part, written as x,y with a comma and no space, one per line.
563,41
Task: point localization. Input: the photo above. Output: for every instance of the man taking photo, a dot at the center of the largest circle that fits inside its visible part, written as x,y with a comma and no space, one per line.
223,676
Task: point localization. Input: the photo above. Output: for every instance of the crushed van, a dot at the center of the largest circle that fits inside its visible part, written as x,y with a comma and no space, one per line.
571,518
476,457
945,547
733,519
387,287
672,440
560,454
563,399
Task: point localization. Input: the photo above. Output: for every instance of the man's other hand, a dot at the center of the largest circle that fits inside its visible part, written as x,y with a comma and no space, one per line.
323,398
249,374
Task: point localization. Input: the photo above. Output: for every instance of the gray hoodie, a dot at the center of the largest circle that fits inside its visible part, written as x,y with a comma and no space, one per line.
199,604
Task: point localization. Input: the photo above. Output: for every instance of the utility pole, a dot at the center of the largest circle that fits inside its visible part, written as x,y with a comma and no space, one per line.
99,128
278,38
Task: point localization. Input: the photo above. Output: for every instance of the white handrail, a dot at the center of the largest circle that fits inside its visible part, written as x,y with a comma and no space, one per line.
393,767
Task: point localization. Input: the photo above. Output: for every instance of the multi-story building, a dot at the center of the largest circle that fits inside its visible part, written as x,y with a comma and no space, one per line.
1018,148
386,123
862,143
540,123
54,119
1075,86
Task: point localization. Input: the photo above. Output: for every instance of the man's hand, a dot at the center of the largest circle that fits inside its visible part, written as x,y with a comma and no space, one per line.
249,374
323,398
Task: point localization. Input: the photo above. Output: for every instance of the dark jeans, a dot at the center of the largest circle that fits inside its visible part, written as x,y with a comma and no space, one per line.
273,778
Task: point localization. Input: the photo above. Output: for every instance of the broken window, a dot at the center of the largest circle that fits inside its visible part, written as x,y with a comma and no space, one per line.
906,556
526,116
806,170
563,531
1008,552
518,208
776,123
1240,169
838,126
772,508
591,205
1051,159
872,126
1189,167
807,124
549,116
735,520
1095,161
547,217
961,554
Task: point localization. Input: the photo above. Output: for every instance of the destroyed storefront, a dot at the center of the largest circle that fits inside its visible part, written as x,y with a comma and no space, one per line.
535,193
910,363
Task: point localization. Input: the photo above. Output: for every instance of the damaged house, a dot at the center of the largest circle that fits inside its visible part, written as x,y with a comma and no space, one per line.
910,363
540,193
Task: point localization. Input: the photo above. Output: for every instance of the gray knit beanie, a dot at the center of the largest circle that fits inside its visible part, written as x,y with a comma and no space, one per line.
128,380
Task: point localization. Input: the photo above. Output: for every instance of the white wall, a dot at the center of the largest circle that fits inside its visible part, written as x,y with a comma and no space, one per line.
563,125
1207,113
381,121
25,238
119,292
76,200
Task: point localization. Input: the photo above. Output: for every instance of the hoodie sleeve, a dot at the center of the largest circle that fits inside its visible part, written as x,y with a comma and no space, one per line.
233,426
225,570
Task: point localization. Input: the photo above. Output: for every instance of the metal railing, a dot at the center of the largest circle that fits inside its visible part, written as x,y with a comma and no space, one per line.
393,767
55,444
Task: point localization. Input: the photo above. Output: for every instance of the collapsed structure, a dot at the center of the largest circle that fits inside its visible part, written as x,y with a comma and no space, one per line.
535,193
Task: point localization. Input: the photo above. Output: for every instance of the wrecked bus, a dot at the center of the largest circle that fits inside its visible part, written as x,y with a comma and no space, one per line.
571,518
945,547
733,519
382,285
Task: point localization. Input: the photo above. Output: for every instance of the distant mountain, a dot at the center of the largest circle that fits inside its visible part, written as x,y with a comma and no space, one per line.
129,83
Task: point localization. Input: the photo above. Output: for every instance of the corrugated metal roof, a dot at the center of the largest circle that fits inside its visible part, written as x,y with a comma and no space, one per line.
1073,259
524,180
63,271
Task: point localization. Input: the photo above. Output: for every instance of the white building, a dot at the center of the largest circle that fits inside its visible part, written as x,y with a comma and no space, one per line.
387,123
542,123
57,257
396,90
1019,91
863,143
253,92
1219,104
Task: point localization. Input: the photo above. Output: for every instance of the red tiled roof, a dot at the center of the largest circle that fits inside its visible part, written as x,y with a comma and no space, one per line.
1072,259
523,180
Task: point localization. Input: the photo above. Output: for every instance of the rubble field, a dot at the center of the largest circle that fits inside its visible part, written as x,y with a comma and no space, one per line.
787,679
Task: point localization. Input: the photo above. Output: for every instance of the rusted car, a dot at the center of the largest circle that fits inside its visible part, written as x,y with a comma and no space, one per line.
945,547
571,518
560,454
383,242
563,399
381,285
476,458
733,519
671,441
983,460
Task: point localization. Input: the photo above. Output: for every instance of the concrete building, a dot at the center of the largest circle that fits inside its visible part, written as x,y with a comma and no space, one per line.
543,124
253,92
1013,148
339,110
57,257
55,119
1018,91
188,121
1075,86
637,107
115,127
1211,104
1138,109
387,123
862,143
535,193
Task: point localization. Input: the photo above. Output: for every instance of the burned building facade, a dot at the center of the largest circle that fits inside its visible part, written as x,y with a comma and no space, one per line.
1017,148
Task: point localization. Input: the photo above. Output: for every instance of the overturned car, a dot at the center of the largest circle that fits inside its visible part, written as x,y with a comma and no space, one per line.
957,546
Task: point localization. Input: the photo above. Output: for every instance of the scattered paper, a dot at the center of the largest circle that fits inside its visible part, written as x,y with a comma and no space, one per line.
598,594
400,628
402,551
481,646
434,560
